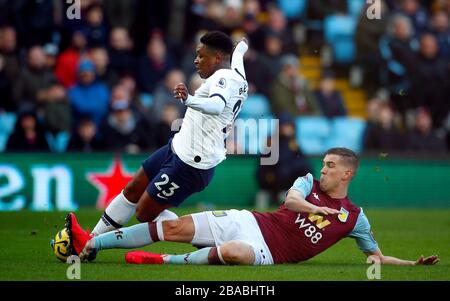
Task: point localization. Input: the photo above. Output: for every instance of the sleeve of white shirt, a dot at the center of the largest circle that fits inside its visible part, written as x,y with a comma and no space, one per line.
220,85
219,93
212,105
237,60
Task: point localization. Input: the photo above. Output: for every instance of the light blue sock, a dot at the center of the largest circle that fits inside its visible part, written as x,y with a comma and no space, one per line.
124,238
196,257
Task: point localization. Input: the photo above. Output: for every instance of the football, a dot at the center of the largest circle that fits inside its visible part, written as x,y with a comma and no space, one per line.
61,245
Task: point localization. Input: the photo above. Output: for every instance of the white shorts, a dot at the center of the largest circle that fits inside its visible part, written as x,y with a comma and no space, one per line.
239,225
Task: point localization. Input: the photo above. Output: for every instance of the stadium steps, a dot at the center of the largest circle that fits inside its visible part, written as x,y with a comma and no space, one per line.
355,99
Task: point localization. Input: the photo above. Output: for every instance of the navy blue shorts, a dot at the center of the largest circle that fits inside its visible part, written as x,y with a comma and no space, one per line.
171,180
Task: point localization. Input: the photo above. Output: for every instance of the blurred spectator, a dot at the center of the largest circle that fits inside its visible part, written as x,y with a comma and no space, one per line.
128,83
416,13
89,97
9,67
423,138
95,27
397,48
273,52
100,58
151,16
368,34
51,52
319,9
170,113
5,88
120,92
440,27
275,180
154,65
120,12
9,51
164,94
32,79
329,99
35,22
85,138
254,31
28,135
196,19
189,55
429,79
277,24
123,131
56,108
231,16
195,81
259,74
290,92
68,61
382,133
122,60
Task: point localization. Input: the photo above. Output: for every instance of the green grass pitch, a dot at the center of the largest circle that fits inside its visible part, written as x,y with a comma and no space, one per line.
25,253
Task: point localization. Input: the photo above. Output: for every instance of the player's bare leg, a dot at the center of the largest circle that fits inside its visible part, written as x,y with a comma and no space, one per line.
148,209
237,252
136,187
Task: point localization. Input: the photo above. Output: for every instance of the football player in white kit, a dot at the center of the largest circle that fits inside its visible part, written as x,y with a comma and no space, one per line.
186,164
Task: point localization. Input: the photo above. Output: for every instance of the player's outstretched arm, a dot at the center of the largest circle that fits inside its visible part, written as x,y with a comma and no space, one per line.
378,257
237,59
295,201
213,105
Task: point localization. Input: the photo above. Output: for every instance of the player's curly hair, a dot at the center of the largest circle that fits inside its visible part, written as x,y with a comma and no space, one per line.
219,41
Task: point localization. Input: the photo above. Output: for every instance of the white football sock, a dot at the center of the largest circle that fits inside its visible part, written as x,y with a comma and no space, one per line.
118,213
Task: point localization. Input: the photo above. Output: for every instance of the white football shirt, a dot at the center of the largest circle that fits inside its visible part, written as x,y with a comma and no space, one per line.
201,139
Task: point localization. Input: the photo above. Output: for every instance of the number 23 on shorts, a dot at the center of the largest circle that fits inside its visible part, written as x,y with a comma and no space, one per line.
165,188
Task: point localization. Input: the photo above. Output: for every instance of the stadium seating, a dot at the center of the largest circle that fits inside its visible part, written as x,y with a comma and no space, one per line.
252,134
293,9
339,31
316,135
312,134
58,142
256,106
347,132
355,7
7,123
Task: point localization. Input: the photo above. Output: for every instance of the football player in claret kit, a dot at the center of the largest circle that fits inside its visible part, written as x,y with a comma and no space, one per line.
186,164
314,216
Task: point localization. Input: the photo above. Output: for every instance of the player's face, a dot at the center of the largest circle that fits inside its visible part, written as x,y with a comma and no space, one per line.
206,61
332,172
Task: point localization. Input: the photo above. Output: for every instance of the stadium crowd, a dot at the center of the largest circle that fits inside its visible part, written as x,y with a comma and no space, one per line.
104,81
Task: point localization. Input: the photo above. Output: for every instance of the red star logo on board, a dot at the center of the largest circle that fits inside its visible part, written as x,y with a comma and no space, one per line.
110,183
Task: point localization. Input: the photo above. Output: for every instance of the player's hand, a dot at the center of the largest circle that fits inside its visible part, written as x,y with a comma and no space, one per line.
325,211
180,92
430,260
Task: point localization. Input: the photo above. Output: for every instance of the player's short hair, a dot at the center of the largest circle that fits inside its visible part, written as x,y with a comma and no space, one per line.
347,155
219,41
